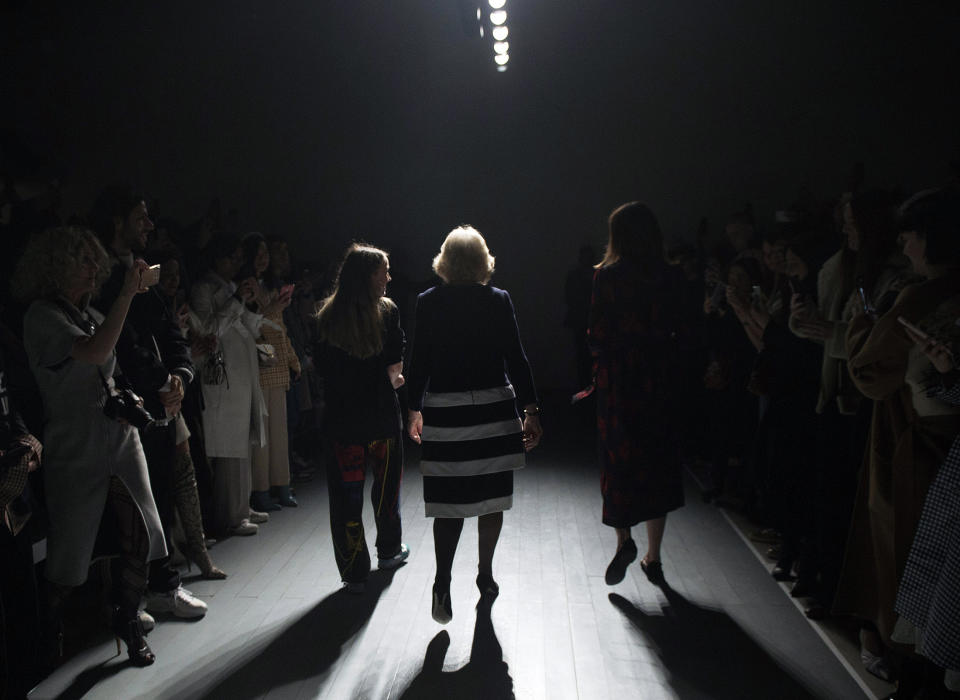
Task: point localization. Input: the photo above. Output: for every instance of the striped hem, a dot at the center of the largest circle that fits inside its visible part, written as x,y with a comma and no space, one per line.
433,433
468,398
468,510
473,467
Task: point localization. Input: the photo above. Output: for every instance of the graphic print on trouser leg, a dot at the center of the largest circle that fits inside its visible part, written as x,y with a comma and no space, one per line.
385,460
345,473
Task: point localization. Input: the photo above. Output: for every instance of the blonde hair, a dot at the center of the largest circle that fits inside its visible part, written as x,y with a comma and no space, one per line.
352,317
464,258
51,257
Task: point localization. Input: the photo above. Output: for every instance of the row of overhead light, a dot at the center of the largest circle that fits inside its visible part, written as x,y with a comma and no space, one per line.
500,32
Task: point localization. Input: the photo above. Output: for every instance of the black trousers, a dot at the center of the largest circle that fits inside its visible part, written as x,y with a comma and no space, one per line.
19,614
160,449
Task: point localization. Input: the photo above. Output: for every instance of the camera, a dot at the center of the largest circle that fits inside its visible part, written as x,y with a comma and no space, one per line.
125,406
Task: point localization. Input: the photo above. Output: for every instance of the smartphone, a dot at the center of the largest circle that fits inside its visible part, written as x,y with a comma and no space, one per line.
867,306
906,324
757,294
150,276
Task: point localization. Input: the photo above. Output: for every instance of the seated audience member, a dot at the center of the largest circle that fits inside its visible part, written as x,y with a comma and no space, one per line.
92,454
234,412
910,433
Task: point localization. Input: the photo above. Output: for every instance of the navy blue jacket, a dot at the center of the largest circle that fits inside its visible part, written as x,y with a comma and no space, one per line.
467,338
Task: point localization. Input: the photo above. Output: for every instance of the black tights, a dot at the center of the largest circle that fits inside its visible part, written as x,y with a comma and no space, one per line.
446,536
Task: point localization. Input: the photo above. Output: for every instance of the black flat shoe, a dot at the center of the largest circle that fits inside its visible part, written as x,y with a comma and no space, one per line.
653,570
487,586
621,560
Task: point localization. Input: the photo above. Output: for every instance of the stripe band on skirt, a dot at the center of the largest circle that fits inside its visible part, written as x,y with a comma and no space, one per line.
472,443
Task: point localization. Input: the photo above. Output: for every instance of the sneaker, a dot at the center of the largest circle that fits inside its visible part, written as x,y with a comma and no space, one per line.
179,601
258,517
355,587
146,620
396,560
621,560
244,529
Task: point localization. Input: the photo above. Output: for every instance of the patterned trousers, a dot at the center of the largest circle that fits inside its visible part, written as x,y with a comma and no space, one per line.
346,471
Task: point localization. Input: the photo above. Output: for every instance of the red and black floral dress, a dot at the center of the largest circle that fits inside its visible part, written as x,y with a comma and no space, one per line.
633,332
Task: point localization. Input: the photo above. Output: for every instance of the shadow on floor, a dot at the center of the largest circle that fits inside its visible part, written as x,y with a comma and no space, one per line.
485,677
707,654
301,651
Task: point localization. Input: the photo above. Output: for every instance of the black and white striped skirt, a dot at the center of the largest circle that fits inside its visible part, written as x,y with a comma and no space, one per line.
472,443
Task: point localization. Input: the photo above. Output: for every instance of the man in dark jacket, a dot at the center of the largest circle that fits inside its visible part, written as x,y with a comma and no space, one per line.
155,359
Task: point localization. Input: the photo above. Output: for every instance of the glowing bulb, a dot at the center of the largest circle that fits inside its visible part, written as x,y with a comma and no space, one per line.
497,4
479,14
498,16
500,33
481,31
501,69
501,46
501,59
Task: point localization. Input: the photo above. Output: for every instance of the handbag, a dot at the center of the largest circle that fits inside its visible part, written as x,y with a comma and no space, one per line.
214,369
267,355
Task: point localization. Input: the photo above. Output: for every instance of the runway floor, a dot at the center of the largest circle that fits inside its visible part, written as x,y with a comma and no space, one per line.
280,627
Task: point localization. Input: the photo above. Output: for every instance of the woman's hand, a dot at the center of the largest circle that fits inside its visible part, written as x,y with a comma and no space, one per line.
938,353
133,279
414,425
532,431
248,290
395,373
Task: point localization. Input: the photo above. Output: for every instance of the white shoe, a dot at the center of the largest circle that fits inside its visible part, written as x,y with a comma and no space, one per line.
180,602
244,529
396,560
146,620
257,516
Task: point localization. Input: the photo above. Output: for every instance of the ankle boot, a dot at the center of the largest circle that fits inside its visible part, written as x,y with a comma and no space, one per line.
188,508
260,501
284,495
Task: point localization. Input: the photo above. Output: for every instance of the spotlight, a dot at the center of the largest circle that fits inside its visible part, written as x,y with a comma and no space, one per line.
498,16
501,69
500,33
479,14
497,4
501,59
501,46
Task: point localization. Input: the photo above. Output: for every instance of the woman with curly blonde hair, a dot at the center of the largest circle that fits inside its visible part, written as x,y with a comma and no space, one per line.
360,356
92,453
468,375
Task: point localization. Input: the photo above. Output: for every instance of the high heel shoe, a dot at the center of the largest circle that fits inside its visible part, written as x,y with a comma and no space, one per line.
131,633
487,586
442,609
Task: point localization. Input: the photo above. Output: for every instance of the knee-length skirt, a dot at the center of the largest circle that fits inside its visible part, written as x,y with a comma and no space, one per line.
472,442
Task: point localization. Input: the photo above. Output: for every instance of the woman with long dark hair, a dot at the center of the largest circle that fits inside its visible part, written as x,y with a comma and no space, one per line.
633,330
360,355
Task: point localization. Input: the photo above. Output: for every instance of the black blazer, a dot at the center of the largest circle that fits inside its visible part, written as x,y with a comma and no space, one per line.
467,338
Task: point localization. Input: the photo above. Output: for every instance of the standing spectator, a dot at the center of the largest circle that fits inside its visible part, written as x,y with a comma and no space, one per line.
234,412
92,453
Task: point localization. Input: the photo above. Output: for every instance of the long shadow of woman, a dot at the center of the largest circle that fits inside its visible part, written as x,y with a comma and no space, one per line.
485,677
708,655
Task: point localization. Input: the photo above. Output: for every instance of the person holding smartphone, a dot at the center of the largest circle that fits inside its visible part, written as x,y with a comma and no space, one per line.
910,432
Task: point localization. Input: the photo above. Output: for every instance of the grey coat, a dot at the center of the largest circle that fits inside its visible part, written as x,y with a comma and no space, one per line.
83,448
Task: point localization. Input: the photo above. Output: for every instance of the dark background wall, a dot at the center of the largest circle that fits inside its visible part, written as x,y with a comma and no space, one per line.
328,121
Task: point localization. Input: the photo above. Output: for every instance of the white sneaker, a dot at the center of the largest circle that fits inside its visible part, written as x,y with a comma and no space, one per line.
257,516
179,601
244,529
146,620
396,560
